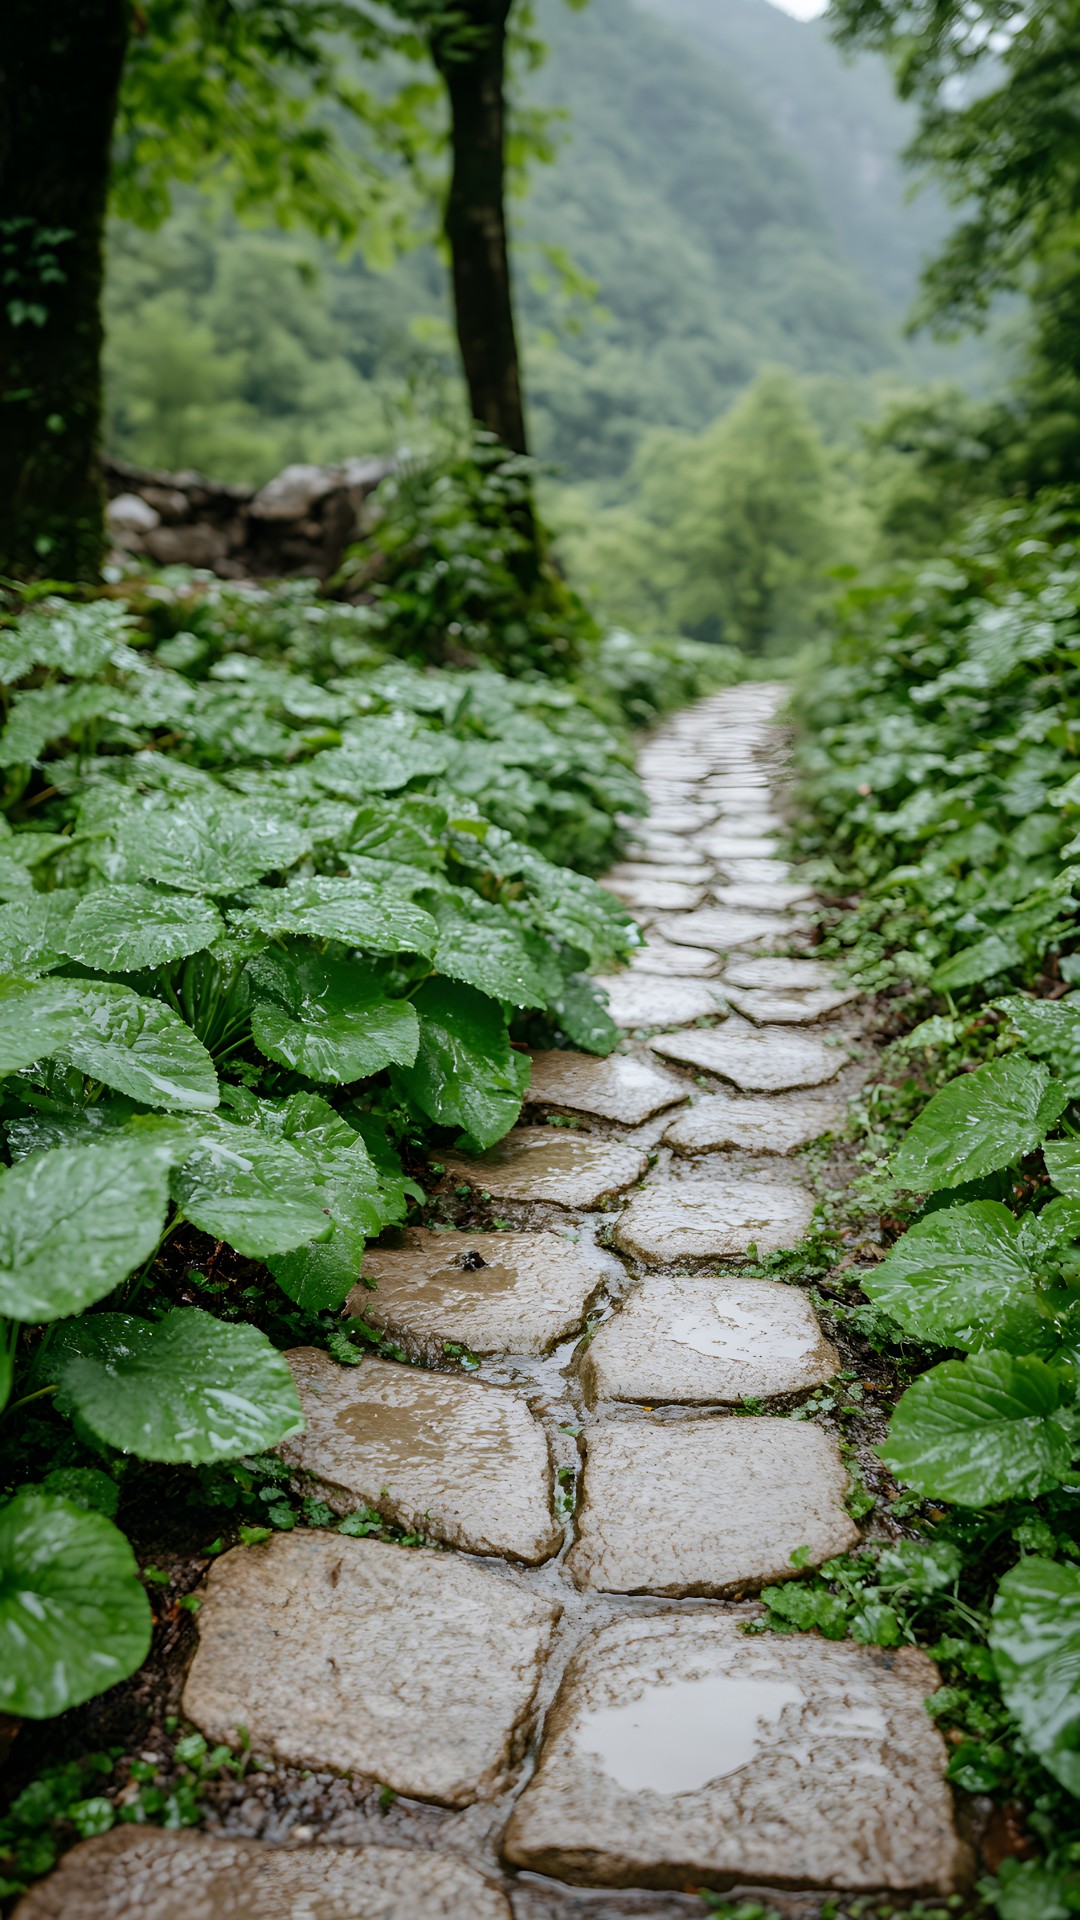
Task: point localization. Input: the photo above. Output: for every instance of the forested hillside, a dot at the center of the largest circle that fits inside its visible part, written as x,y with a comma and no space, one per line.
720,228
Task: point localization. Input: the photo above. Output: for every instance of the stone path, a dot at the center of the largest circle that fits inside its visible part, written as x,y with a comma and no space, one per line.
564,1697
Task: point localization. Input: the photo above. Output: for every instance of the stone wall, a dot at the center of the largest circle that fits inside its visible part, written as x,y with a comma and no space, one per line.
299,523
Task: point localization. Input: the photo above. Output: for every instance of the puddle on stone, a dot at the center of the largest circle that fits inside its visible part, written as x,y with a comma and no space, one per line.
677,1738
734,1331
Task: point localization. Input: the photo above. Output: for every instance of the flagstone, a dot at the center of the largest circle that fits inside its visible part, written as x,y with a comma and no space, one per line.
545,1163
781,975
650,1000
699,1214
776,1124
670,959
700,1338
757,1059
412,1668
616,1088
489,1292
766,1008
142,1873
658,895
682,1752
707,1507
458,1461
725,928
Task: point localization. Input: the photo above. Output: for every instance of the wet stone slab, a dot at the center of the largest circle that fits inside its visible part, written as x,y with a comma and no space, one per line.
659,895
618,1088
779,975
725,929
701,1214
776,1124
650,1000
670,961
707,1507
464,1463
757,1059
689,873
766,1008
764,895
137,1873
721,844
695,1338
680,1752
492,1292
545,1164
406,1666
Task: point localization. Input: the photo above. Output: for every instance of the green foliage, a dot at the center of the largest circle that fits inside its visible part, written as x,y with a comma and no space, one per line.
941,759
268,924
728,536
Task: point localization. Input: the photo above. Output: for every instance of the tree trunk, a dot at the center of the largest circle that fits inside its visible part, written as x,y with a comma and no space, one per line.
472,62
60,68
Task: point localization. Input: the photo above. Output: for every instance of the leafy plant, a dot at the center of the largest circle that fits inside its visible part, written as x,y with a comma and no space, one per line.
260,939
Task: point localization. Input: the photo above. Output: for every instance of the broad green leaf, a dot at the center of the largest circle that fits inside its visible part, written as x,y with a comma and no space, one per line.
480,945
1035,1641
582,1013
982,1121
47,714
120,929
329,1019
75,1221
466,1073
185,1388
954,1275
74,1618
362,915
995,953
378,756
37,1019
73,640
1063,1165
1050,1029
255,1192
142,1048
318,1277
974,1431
32,930
409,828
209,849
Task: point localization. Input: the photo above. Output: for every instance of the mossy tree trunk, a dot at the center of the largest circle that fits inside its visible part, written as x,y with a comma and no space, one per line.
470,54
60,68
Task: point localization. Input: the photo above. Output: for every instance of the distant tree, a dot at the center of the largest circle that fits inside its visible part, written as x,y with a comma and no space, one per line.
729,534
257,97
996,82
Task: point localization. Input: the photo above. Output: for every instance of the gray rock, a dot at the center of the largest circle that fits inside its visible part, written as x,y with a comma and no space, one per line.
292,493
191,546
777,1124
618,1088
766,1008
649,1000
690,873
666,958
492,1292
681,1752
701,1215
130,513
544,1163
140,1873
694,1338
725,929
707,1507
410,1667
464,1463
757,1059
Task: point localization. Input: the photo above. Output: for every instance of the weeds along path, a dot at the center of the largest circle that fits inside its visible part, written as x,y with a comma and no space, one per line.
613,1434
